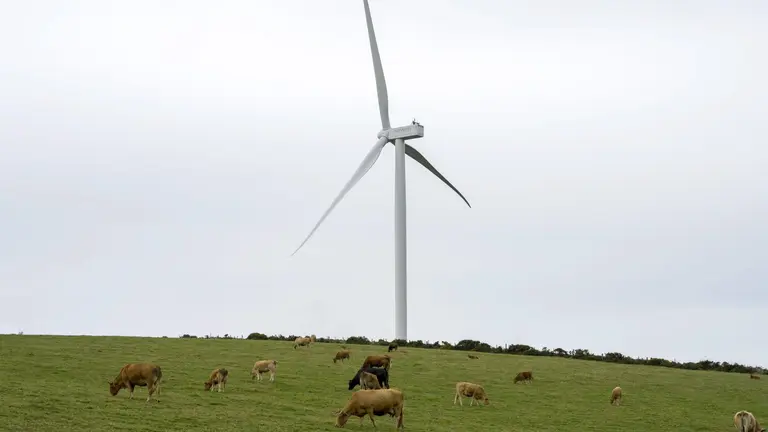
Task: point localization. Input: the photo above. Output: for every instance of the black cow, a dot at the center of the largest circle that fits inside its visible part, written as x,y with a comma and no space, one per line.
392,347
381,374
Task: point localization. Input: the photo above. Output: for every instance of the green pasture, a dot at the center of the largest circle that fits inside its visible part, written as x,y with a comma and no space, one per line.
59,383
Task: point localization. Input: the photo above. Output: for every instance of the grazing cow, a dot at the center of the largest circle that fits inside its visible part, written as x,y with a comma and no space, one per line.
377,361
616,396
746,422
134,375
218,379
264,366
470,390
753,376
382,375
341,355
392,347
474,357
303,341
524,377
373,403
369,381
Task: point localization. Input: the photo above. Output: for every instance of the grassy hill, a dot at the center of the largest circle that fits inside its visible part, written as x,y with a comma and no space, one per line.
59,383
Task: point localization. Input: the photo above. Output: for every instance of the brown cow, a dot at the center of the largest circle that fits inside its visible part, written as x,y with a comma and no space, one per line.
473,357
264,366
218,379
526,377
373,402
616,396
470,390
341,355
369,381
137,375
753,376
377,361
746,422
302,341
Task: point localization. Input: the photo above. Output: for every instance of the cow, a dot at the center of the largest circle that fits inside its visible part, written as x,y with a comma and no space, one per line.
218,379
264,366
392,347
616,396
753,376
137,375
382,375
377,361
369,381
373,403
470,390
341,355
473,357
526,376
746,422
303,341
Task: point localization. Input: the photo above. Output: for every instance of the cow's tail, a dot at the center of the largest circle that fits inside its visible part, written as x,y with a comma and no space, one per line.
157,374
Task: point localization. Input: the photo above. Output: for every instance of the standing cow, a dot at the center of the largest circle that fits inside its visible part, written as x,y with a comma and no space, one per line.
137,375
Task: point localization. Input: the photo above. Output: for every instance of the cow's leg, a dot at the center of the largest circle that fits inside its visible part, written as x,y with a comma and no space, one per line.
471,400
130,388
455,396
370,414
272,376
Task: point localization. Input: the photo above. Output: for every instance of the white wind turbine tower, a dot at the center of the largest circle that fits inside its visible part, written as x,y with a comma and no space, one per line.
398,136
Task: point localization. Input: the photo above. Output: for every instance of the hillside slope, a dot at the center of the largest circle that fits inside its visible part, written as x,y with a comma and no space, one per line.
59,383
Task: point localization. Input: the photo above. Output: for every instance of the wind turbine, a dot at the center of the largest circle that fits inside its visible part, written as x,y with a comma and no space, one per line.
397,135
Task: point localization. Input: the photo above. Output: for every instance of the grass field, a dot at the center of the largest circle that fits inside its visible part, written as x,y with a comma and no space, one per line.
59,383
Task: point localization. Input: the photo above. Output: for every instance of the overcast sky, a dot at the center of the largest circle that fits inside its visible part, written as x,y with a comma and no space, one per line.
160,160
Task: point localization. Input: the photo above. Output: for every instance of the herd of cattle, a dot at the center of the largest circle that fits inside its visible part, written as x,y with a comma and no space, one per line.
375,398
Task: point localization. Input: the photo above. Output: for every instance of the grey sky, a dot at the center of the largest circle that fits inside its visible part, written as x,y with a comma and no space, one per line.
160,160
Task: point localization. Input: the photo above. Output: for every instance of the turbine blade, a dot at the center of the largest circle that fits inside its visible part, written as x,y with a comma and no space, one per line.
381,84
418,157
365,165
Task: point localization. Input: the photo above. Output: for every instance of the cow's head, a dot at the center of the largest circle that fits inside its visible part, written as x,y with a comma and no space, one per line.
341,418
208,384
114,388
353,383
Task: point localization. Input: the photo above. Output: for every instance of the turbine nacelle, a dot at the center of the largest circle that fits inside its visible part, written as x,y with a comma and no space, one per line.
411,131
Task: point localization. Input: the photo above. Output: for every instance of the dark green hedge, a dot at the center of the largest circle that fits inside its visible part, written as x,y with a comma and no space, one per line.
473,345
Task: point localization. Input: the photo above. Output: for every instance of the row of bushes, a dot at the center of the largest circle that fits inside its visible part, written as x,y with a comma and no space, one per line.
519,349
